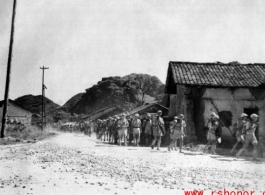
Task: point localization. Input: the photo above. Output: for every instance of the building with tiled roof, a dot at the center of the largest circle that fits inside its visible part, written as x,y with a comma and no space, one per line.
228,89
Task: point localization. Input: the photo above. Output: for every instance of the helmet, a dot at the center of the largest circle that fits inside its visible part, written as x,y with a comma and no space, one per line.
159,111
254,116
243,115
176,117
181,116
216,117
137,115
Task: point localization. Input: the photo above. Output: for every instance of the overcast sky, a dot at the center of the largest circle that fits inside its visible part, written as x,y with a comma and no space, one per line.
82,41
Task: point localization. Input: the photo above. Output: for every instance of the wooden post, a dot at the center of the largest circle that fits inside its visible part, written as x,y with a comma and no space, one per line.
43,101
8,70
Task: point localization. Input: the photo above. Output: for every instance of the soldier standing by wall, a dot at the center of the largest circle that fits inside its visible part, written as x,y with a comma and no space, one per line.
158,129
136,127
238,127
249,129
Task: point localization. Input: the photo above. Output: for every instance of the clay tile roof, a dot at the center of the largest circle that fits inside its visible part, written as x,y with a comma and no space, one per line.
216,74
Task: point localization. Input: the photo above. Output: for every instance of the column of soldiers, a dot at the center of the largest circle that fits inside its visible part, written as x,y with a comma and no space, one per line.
150,131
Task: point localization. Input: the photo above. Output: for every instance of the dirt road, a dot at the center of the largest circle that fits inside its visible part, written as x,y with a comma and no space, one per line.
77,164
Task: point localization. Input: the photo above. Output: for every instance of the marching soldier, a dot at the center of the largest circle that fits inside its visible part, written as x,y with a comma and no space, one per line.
158,129
238,127
148,129
248,131
115,129
123,125
110,128
212,133
136,127
177,132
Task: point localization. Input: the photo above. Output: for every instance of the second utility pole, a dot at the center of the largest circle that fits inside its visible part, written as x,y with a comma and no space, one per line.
43,92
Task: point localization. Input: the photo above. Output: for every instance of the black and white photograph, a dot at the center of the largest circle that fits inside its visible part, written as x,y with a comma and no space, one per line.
132,97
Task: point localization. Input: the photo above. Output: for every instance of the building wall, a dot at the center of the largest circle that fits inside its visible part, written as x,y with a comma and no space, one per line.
232,102
17,112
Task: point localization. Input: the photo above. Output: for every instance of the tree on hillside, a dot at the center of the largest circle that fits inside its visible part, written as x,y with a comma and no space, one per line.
143,86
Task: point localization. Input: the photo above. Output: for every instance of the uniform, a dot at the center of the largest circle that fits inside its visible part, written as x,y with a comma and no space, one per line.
148,131
123,125
136,128
212,134
158,130
249,130
238,127
177,133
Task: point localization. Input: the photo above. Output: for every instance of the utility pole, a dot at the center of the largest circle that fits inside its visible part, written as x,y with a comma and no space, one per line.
8,70
43,115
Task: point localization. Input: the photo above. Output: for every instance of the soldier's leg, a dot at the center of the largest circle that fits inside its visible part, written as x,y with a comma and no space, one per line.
234,147
246,143
154,141
134,139
158,142
255,149
180,144
138,140
213,147
119,138
125,140
171,145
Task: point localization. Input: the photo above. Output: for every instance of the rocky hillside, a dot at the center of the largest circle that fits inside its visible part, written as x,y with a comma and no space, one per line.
34,103
119,91
71,102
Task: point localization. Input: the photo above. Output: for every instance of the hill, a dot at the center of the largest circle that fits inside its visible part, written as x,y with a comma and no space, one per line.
34,103
71,102
119,91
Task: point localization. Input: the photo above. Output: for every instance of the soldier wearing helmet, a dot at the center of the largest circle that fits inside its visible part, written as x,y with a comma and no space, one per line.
148,129
237,128
122,126
249,130
213,124
136,128
177,128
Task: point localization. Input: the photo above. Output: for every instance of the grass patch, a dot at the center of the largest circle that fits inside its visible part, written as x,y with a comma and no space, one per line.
17,134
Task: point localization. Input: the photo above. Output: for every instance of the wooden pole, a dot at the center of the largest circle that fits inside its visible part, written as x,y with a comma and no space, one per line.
8,70
43,88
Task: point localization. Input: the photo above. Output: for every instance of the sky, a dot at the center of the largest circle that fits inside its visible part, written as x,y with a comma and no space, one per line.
82,41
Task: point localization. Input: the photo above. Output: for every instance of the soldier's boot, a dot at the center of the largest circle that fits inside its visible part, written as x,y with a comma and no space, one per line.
234,148
125,140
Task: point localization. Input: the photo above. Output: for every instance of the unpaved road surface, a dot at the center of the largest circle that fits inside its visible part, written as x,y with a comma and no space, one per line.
77,164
